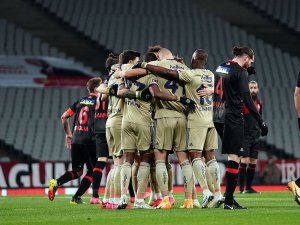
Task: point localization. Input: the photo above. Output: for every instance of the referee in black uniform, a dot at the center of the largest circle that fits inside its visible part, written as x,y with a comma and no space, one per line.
236,93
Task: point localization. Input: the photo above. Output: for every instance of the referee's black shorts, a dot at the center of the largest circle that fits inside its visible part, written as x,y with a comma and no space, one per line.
251,145
101,145
233,136
83,154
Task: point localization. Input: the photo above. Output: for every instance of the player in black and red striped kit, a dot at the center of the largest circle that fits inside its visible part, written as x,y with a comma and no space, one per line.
251,145
81,142
102,153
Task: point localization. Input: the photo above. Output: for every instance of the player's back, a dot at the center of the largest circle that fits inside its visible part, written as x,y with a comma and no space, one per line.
83,129
115,105
235,82
169,108
200,78
137,110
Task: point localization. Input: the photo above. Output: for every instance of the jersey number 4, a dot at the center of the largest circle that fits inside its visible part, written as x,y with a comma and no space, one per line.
219,88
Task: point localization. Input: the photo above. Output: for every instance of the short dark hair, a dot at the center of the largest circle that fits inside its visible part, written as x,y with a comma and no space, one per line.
149,57
128,55
93,83
154,48
111,60
240,51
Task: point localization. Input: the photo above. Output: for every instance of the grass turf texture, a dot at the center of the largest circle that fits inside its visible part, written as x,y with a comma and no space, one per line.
266,208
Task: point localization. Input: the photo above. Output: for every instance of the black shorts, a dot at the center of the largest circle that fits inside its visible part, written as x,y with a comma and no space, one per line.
83,154
233,136
101,145
251,145
220,129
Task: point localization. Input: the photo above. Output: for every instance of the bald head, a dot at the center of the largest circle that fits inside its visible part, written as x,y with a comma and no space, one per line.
199,59
165,53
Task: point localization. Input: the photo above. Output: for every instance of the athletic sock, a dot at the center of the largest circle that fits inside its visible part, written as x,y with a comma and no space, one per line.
199,171
250,175
84,185
112,184
153,180
97,176
69,175
214,173
242,175
170,179
187,172
231,180
125,177
107,187
209,180
117,181
142,178
135,169
162,175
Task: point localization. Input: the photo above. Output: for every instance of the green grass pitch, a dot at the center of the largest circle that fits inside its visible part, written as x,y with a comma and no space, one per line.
267,208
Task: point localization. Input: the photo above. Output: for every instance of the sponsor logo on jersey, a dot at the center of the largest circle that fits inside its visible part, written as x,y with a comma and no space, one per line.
223,69
176,67
87,102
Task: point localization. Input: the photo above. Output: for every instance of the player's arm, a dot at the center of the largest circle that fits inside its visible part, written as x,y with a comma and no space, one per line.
131,73
65,123
124,92
157,93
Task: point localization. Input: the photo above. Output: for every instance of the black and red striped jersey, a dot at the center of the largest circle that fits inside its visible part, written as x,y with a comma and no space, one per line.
83,127
249,122
100,115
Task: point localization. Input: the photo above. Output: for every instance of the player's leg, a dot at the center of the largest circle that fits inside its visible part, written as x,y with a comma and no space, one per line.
77,168
294,186
155,197
162,143
129,149
170,180
107,189
195,142
90,161
102,156
233,143
180,148
214,172
242,173
252,166
250,176
143,180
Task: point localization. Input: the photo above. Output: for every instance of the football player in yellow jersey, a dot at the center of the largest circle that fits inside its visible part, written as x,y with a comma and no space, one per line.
197,81
170,116
113,125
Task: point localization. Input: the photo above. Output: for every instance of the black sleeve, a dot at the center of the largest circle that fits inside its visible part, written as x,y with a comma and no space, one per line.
250,105
243,82
298,80
74,106
261,107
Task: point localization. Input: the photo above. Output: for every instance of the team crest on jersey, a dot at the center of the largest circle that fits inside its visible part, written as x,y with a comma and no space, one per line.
223,69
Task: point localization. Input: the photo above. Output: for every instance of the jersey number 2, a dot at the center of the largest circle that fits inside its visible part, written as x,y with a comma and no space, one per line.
171,85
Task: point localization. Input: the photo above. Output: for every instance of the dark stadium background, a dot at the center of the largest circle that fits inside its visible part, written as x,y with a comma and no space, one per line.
49,48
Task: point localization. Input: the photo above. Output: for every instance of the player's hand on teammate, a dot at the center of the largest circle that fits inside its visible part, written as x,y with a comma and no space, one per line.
113,89
264,129
251,70
119,73
144,94
68,141
102,88
187,102
206,91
